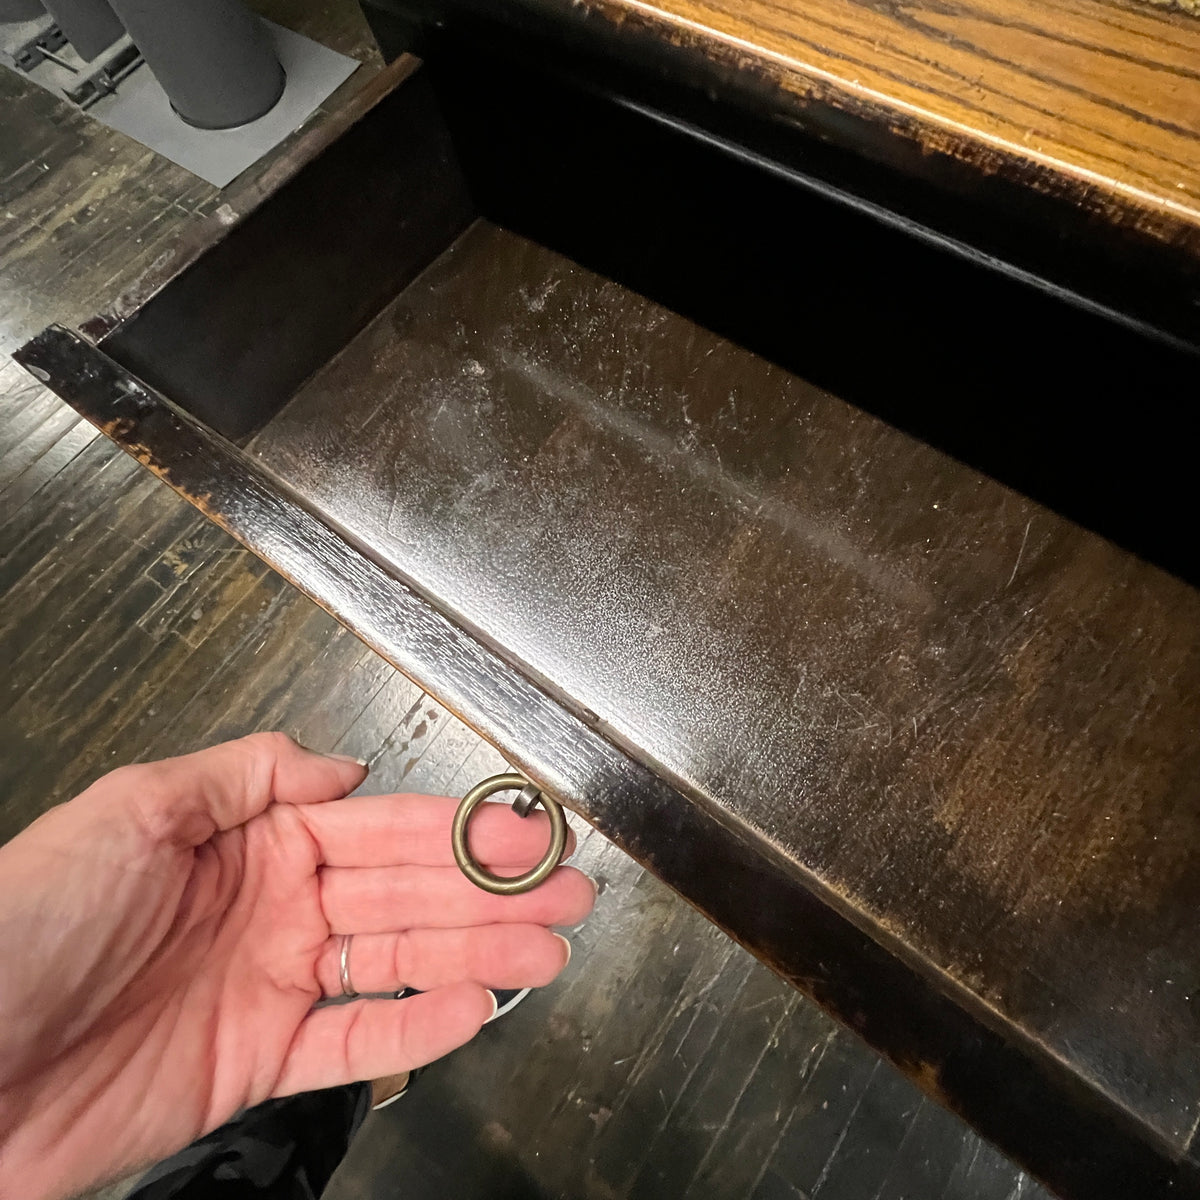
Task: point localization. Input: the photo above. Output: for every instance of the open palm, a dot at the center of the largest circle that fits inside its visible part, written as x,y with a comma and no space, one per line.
165,936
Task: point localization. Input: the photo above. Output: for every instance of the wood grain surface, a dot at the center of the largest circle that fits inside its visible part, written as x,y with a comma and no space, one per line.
817,585
593,1082
974,723
1083,1142
1096,98
665,1053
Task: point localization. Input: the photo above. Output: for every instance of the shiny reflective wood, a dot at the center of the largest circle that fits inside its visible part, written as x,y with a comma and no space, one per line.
631,551
974,724
927,748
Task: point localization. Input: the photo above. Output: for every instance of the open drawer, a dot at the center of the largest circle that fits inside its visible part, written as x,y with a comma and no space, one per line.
927,748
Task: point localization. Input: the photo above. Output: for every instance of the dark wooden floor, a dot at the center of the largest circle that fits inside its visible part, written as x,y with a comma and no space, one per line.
666,1062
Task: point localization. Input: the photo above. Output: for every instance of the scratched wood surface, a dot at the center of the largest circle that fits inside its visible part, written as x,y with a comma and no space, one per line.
667,1061
1098,100
973,724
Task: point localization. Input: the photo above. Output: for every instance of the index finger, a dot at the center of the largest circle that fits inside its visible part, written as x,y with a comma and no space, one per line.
383,831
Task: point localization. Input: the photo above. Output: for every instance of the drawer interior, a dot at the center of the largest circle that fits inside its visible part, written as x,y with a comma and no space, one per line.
1081,410
760,494
684,442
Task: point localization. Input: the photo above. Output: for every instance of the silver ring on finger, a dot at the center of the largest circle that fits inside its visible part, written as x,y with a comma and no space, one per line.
344,968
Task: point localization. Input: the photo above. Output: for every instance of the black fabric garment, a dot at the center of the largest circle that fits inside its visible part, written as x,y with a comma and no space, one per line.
281,1150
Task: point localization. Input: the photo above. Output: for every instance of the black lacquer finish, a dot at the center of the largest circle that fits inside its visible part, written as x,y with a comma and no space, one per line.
1001,1074
927,748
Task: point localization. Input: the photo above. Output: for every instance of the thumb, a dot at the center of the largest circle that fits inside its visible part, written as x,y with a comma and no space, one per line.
186,800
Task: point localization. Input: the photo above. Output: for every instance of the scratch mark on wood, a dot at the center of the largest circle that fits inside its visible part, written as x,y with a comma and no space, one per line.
1020,553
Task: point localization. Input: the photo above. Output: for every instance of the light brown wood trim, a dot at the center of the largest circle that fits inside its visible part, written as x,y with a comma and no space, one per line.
1097,99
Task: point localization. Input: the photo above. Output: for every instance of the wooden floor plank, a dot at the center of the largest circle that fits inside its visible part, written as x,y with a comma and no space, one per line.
351,687
613,1030
124,531
31,533
81,599
482,761
172,712
23,418
40,440
120,593
981,1173
383,714
739,1153
294,639
431,773
705,1109
36,474
860,1164
114,672
925,1162
817,1125
667,1066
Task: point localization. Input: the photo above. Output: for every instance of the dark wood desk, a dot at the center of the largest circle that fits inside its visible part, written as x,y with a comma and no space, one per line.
926,747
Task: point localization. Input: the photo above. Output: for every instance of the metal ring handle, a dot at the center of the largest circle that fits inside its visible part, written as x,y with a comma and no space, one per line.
499,884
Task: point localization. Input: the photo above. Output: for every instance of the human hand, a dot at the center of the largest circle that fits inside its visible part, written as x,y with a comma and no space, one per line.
165,935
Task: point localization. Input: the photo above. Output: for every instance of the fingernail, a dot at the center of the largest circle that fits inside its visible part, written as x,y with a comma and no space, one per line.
358,762
595,884
568,946
495,1005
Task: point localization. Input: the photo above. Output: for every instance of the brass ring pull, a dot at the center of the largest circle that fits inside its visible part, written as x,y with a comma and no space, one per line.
530,795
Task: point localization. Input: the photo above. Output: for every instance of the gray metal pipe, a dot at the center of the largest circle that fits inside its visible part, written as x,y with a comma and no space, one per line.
214,58
20,10
90,26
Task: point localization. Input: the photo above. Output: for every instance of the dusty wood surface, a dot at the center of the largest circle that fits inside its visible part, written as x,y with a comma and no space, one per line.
130,628
1028,1102
973,723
